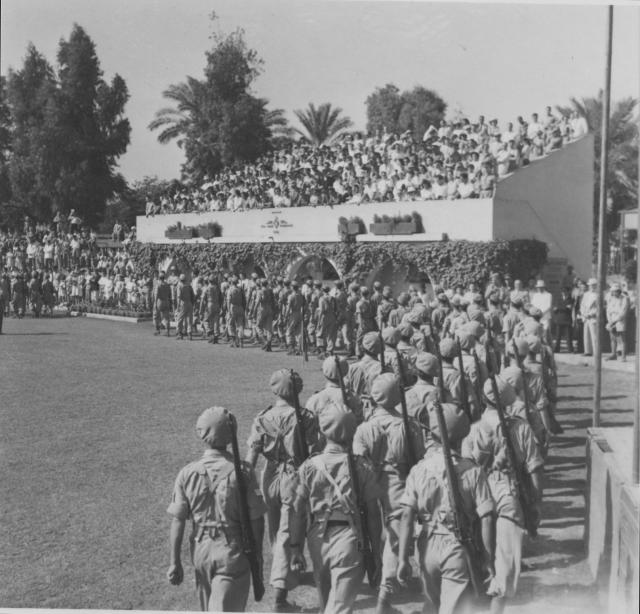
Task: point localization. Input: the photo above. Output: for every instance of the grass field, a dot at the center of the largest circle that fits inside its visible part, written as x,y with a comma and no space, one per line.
96,420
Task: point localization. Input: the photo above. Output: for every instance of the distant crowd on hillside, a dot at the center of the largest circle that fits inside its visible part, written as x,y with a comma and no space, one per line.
457,159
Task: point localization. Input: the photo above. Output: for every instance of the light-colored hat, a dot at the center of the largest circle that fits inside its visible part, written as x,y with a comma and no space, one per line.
505,390
385,390
391,336
447,348
592,281
371,343
212,426
540,283
337,423
455,420
282,382
330,369
427,363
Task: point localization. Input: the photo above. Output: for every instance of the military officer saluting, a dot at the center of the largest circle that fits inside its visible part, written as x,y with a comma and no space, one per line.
325,488
206,491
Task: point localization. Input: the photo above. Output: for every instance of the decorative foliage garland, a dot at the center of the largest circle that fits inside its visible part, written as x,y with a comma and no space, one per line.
445,262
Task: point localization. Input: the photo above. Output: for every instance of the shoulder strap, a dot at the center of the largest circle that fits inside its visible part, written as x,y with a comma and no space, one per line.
347,505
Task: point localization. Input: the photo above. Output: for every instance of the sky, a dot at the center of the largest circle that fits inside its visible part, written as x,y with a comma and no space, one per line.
499,60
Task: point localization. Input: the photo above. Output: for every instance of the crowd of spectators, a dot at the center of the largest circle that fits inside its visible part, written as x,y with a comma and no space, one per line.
457,159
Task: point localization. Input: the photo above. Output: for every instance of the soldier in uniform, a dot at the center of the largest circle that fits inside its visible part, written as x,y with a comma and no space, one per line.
485,445
457,317
35,294
326,323
294,319
343,326
235,313
424,390
206,491
365,318
376,296
275,435
362,373
382,440
396,315
351,321
212,300
312,303
443,564
19,292
5,296
386,305
440,313
391,338
325,489
453,379
185,298
162,304
283,298
266,308
332,391
479,373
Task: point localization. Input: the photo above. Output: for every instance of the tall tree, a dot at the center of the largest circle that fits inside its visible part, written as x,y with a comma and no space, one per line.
322,125
32,165
414,110
622,171
217,120
92,131
5,152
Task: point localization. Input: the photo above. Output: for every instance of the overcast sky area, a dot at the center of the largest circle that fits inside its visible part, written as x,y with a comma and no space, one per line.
494,59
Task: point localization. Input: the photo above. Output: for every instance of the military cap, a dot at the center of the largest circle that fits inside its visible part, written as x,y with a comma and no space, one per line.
330,369
403,298
337,423
414,318
281,383
475,314
386,291
364,291
505,390
456,300
377,285
443,298
391,336
534,343
521,346
371,343
447,348
385,390
466,338
212,426
427,363
406,330
455,420
513,376
475,328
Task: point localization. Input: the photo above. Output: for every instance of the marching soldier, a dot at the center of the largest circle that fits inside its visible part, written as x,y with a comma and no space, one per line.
376,296
332,393
326,323
19,293
485,445
391,339
275,434
440,313
235,313
326,488
350,327
162,304
424,390
386,305
477,373
206,491
35,294
365,318
212,299
382,440
344,322
5,296
405,345
453,380
266,308
294,319
283,298
364,372
396,314
312,303
457,317
185,298
444,567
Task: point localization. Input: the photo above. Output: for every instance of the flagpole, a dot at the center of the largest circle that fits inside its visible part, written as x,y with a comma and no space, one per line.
602,202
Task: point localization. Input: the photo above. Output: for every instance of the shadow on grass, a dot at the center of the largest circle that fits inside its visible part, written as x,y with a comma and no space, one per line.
33,334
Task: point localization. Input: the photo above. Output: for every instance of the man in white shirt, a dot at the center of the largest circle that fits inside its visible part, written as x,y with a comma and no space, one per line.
544,302
589,311
534,126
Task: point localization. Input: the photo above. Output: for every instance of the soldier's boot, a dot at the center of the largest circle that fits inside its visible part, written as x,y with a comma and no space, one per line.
383,605
157,331
168,330
267,347
281,604
292,349
190,336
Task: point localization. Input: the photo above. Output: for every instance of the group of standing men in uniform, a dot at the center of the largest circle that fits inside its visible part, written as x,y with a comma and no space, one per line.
430,447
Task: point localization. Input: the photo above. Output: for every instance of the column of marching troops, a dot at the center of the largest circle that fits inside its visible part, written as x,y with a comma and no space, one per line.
429,449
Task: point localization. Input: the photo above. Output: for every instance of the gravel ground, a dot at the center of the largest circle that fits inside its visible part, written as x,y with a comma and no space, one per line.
97,418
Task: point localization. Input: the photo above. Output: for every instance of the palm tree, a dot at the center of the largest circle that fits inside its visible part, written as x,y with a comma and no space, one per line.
322,125
189,114
622,171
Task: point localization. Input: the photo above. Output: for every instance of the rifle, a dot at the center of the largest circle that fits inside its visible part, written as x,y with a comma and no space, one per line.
520,476
525,388
304,448
249,546
303,333
382,365
411,453
462,527
478,387
463,383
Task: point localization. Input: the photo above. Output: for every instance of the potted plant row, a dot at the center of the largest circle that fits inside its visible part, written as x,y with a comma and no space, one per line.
397,225
179,232
209,231
351,227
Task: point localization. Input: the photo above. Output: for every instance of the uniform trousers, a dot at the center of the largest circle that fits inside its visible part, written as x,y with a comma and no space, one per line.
326,337
185,319
161,314
338,567
235,322
213,319
265,325
222,574
294,330
508,558
445,573
278,488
